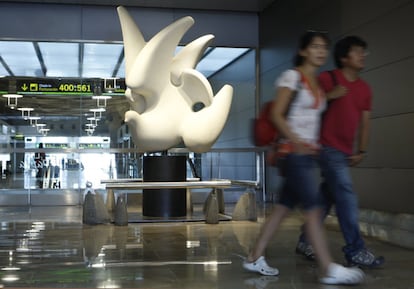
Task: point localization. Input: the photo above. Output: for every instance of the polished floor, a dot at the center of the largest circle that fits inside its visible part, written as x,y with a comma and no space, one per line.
50,247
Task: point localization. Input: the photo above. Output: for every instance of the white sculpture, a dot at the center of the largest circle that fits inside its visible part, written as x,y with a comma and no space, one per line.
162,89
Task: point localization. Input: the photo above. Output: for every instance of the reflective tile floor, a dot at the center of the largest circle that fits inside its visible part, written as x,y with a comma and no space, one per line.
50,247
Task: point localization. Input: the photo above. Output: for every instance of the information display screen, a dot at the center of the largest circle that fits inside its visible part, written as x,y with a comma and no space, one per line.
63,85
55,86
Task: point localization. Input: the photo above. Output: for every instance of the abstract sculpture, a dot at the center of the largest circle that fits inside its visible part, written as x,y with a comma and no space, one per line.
163,89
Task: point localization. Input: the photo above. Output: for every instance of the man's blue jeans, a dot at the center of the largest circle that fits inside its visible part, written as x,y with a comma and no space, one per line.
337,189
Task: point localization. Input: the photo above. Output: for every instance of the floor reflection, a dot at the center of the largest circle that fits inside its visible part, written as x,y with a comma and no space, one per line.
54,249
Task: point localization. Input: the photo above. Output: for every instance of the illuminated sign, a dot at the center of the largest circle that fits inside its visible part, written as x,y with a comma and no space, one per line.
56,145
90,146
87,86
54,86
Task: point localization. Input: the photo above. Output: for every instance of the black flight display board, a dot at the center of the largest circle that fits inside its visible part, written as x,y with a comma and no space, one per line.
53,86
59,86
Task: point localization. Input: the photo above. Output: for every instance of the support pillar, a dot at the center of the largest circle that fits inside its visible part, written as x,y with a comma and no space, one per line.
164,202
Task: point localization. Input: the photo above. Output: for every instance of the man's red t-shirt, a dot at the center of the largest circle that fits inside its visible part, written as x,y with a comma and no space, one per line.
341,119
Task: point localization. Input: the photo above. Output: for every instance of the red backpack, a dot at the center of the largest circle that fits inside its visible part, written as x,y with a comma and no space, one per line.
264,130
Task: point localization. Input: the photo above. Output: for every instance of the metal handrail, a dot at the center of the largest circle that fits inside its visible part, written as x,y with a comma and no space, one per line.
169,185
122,150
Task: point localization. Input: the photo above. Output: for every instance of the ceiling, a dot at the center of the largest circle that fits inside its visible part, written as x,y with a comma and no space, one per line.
222,5
68,65
75,60
87,60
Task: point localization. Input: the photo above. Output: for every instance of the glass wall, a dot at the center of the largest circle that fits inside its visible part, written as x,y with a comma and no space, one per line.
62,120
53,170
65,166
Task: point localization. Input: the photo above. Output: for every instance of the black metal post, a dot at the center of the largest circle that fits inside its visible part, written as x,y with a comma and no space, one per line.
164,202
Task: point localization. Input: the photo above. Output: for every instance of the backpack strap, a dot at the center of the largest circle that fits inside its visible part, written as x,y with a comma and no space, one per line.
295,92
333,77
316,93
335,83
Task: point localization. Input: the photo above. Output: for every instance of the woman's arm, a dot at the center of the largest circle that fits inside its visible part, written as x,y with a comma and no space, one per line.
281,104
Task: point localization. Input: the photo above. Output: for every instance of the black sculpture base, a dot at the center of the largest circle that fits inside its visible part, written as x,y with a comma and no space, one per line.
164,202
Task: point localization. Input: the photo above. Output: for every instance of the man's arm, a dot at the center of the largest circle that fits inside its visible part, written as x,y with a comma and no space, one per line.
363,137
337,92
330,85
364,131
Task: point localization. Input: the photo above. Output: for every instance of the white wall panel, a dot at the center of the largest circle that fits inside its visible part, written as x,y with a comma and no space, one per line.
389,190
356,13
392,142
281,25
390,37
393,88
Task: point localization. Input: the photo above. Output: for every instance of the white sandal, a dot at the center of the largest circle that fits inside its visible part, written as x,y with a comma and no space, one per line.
337,274
261,267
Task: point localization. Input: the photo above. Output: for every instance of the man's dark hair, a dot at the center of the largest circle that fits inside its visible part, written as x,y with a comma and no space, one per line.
343,46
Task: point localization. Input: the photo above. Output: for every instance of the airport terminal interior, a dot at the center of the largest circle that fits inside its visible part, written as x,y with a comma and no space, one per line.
83,206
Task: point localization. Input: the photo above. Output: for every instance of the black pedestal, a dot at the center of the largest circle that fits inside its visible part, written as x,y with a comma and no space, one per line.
164,202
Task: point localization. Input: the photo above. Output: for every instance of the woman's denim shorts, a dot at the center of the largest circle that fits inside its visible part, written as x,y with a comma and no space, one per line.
301,187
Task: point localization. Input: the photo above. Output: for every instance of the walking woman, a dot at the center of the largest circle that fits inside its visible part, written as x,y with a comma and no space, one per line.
297,112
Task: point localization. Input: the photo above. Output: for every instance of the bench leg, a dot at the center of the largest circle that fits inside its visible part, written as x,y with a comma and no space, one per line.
94,210
220,200
190,208
121,212
110,200
212,208
245,209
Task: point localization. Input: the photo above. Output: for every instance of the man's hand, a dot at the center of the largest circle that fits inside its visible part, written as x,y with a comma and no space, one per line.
355,159
337,92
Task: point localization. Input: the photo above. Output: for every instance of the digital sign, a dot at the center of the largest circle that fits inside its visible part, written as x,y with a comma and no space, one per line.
91,146
56,146
57,86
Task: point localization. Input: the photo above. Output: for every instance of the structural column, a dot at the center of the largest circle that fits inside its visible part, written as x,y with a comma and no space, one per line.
164,202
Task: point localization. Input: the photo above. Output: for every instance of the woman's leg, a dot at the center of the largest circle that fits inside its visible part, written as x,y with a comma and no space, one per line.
316,235
331,273
267,231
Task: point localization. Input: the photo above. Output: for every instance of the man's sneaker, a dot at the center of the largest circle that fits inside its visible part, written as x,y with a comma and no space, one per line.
339,275
305,250
365,259
261,267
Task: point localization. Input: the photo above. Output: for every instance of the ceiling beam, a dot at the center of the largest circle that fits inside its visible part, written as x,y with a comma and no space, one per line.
40,58
118,63
80,59
9,71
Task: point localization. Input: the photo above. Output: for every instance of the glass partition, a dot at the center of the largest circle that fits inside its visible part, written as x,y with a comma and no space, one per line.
62,176
62,106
